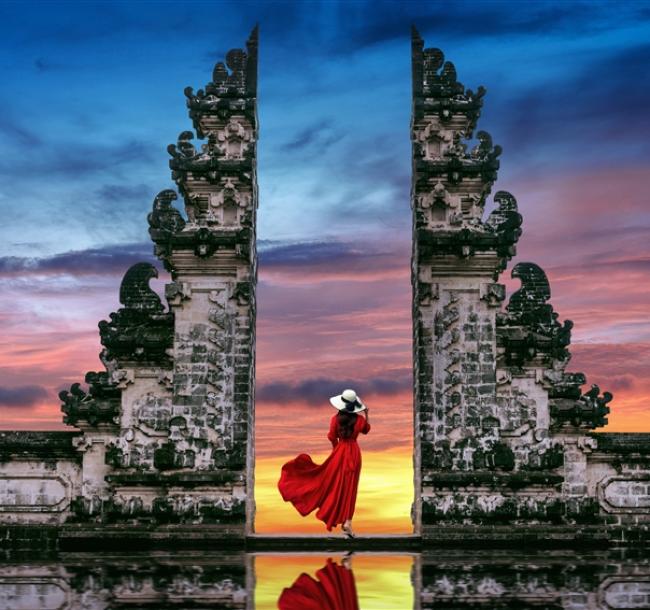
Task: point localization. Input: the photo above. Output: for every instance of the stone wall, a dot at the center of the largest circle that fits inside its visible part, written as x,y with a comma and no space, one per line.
40,475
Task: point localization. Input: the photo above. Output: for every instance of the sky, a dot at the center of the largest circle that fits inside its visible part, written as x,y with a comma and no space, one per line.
93,94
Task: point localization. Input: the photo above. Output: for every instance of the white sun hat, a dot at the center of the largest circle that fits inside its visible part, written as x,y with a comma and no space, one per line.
347,399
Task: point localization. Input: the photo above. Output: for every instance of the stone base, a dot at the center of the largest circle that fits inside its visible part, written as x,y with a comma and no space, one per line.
86,537
121,537
513,536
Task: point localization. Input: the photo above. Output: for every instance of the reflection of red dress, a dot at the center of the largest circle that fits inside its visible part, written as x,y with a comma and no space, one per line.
331,486
334,590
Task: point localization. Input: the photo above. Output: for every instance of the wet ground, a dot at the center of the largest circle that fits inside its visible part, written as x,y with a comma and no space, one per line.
320,581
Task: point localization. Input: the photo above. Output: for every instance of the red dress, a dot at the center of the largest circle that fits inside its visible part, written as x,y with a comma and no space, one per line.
335,589
331,486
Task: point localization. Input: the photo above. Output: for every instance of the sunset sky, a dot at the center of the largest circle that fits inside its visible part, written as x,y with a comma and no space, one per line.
93,93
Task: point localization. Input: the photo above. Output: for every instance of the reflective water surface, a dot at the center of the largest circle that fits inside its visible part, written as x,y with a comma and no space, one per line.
445,578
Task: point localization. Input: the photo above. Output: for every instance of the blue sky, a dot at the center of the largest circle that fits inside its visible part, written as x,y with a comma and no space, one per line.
93,93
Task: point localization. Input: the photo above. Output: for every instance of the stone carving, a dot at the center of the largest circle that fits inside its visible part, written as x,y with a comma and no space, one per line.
153,413
535,326
135,292
437,90
588,411
485,150
100,405
140,331
505,221
25,493
165,219
233,140
625,493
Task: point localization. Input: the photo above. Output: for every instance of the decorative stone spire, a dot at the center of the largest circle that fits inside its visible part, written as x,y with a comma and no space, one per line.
491,391
450,180
211,255
217,178
140,331
458,253
530,337
140,334
176,401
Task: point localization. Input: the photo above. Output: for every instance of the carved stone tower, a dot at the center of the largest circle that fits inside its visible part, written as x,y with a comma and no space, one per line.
213,262
502,431
456,258
169,426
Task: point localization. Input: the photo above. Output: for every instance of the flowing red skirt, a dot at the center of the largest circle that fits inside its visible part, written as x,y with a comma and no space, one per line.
330,487
335,589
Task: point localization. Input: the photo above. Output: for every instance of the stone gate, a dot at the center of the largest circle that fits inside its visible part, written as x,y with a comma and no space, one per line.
163,439
502,431
166,432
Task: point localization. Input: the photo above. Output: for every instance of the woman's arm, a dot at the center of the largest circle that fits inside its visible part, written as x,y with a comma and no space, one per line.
332,434
366,425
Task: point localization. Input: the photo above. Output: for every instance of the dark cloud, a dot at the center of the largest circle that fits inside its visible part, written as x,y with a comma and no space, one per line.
607,361
44,65
374,23
596,263
317,137
115,193
596,102
317,390
332,255
92,21
305,253
22,396
83,159
69,159
108,260
374,186
624,382
15,132
625,264
336,27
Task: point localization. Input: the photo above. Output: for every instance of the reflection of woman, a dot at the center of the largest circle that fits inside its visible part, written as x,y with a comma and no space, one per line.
335,589
331,486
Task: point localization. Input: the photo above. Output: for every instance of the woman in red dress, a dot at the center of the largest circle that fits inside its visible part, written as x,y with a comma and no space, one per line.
330,487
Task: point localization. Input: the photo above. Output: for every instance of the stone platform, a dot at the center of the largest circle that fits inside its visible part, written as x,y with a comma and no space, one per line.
120,537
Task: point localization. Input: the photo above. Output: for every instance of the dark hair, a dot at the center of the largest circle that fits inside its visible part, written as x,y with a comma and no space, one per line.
345,423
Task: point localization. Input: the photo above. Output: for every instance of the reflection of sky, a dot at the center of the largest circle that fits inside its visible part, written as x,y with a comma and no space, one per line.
382,581
93,93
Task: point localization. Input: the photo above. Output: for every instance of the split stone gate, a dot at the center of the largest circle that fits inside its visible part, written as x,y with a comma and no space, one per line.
164,437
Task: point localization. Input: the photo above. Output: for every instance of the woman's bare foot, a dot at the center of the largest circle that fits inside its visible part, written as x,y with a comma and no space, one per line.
347,529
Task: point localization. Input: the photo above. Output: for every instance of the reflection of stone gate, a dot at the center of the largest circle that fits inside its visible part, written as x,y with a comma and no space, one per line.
165,433
606,579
